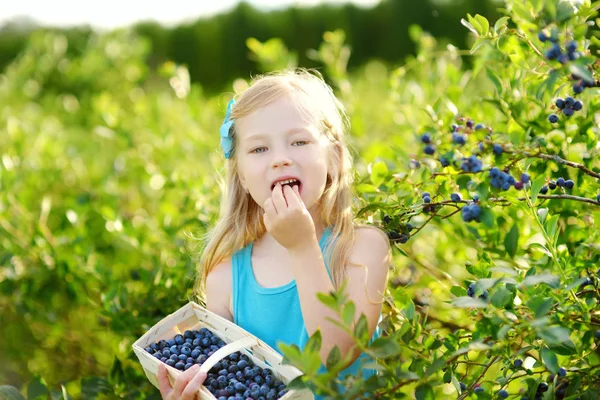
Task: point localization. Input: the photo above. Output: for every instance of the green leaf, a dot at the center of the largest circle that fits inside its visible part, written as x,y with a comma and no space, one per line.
550,360
424,392
581,71
384,347
348,313
547,278
511,241
458,291
297,383
551,225
495,80
483,22
10,393
500,24
435,366
466,302
36,388
361,329
501,297
409,310
469,26
93,386
536,186
334,357
553,334
379,172
314,342
540,306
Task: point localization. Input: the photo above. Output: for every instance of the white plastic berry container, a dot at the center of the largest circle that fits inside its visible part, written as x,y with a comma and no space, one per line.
195,317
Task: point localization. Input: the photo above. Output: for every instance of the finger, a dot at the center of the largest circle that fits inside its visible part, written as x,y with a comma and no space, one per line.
270,212
293,201
278,199
183,379
163,381
192,388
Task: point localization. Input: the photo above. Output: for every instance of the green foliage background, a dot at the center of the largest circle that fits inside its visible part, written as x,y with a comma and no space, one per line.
378,32
108,171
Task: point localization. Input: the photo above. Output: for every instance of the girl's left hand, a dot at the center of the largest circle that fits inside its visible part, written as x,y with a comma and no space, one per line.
287,219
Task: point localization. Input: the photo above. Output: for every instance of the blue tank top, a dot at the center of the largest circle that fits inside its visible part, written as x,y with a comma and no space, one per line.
274,314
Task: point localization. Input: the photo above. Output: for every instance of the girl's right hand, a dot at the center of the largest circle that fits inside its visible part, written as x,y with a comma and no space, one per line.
186,386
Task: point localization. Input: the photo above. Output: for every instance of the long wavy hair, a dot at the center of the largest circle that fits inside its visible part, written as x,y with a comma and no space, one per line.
240,221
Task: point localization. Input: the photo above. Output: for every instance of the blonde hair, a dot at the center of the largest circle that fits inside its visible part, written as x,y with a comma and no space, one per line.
241,218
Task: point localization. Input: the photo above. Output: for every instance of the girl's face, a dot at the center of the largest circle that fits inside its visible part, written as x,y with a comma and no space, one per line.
275,141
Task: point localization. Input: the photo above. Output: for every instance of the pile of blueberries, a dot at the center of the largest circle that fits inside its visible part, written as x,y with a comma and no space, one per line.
568,106
234,377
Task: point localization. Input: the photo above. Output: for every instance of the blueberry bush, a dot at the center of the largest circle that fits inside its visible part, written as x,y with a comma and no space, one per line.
481,164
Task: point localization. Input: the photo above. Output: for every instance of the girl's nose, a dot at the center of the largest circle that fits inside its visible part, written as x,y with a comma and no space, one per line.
281,158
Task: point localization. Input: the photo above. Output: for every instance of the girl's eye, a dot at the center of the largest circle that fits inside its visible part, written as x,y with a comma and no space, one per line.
258,148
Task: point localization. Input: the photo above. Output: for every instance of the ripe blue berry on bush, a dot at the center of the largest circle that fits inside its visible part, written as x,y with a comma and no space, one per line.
235,376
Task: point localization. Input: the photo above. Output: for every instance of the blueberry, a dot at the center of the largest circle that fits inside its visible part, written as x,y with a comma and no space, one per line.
458,139
542,36
560,182
427,199
552,185
506,186
478,389
544,189
195,353
463,387
598,198
469,123
519,185
429,149
484,295
494,172
179,339
444,162
426,138
425,194
479,126
475,198
568,111
562,371
525,178
518,363
560,103
569,101
171,342
563,59
597,333
455,197
572,46
182,357
569,184
577,89
188,366
553,118
503,394
542,387
498,149
471,290
578,105
170,362
180,365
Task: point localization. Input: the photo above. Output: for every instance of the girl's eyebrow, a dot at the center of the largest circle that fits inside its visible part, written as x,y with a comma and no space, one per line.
289,132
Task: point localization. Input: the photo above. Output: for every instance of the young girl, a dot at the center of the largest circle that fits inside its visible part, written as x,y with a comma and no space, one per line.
287,230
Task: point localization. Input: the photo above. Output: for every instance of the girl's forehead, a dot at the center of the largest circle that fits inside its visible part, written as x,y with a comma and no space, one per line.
278,117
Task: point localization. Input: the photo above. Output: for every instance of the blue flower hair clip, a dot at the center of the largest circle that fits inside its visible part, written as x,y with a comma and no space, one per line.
226,140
